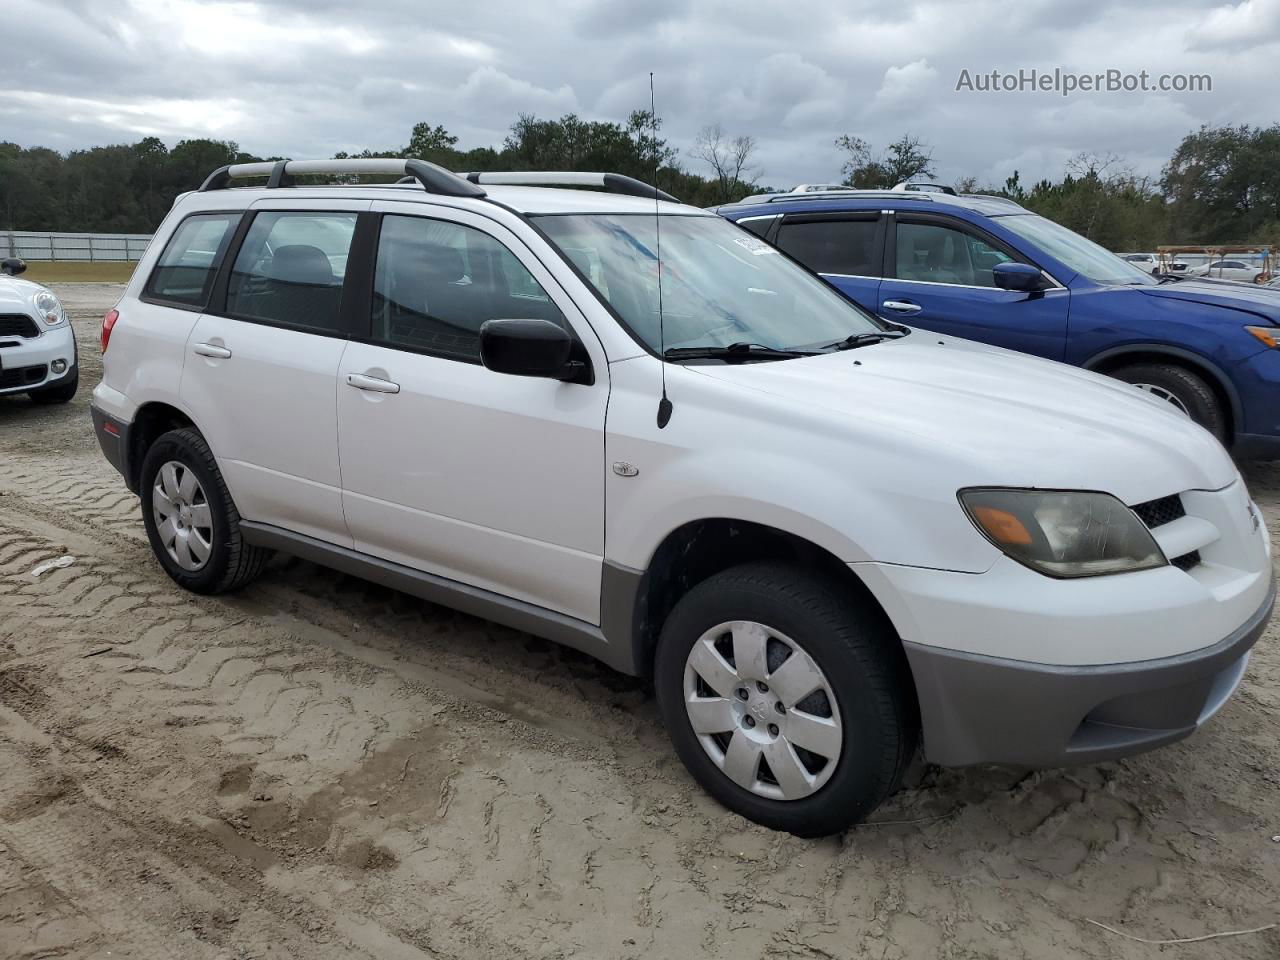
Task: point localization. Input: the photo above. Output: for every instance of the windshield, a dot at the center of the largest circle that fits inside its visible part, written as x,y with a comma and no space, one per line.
1083,256
720,285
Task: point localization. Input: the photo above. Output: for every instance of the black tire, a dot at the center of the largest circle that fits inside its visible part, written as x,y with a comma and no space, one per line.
1191,390
58,393
851,644
232,562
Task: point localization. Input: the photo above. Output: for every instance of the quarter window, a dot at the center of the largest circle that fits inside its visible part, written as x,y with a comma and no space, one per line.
290,269
436,282
832,246
757,225
185,271
934,253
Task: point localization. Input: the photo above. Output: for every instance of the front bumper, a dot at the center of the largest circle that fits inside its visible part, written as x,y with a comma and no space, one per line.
1014,667
28,364
1257,381
978,709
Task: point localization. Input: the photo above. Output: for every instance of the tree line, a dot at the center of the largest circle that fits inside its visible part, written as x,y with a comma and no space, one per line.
1221,185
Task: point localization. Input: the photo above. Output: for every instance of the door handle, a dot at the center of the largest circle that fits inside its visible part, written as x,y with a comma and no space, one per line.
902,306
371,384
212,350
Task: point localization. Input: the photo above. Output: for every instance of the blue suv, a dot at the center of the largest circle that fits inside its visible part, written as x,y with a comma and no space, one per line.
987,269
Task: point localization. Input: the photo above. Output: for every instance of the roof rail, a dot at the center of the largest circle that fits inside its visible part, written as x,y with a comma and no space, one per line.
609,182
280,173
837,194
820,188
923,186
995,197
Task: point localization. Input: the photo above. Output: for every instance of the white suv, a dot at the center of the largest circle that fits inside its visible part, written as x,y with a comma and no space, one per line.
37,344
632,427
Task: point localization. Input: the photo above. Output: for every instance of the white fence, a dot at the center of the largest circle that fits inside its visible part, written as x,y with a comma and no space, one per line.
91,247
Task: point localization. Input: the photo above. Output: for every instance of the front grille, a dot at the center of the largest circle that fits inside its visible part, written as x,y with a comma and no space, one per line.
17,325
21,376
1156,513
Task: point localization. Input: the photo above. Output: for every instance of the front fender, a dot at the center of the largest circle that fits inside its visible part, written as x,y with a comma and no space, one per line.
855,522
1105,359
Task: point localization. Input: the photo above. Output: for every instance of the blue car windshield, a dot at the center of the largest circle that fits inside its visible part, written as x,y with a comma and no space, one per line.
1083,256
720,284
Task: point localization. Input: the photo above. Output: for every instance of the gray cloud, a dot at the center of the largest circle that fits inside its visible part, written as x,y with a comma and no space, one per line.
308,77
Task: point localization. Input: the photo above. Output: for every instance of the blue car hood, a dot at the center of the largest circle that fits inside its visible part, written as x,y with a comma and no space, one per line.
1263,302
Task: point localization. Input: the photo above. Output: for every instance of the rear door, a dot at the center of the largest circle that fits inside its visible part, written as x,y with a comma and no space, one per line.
939,276
150,350
843,248
262,365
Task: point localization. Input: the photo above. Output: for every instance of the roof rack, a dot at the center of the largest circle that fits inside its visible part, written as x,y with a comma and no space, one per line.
280,173
609,182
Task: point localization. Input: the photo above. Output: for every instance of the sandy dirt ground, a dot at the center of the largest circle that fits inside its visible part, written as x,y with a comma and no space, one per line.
319,768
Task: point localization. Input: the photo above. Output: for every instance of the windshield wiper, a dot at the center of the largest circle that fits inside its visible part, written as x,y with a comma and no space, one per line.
855,340
734,351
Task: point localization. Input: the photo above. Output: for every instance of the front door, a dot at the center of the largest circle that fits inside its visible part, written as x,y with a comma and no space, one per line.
492,480
942,280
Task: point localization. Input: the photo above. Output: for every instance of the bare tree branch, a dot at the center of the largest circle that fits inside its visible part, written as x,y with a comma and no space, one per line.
730,160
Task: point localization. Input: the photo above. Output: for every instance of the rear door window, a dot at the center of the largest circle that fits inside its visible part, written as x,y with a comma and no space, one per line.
834,246
185,271
290,268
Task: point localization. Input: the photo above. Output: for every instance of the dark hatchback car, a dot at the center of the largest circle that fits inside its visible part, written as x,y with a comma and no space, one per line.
986,269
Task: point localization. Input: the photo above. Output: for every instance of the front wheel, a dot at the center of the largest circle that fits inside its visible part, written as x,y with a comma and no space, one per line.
788,699
191,520
1185,391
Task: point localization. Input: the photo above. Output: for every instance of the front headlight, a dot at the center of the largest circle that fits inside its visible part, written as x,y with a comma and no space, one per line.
49,308
1063,533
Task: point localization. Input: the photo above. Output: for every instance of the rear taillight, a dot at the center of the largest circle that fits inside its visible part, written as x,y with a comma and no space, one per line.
108,323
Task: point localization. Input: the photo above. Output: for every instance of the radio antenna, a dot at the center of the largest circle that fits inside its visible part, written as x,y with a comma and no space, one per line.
664,405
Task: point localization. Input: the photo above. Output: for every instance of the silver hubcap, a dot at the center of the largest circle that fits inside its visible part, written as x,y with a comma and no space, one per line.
182,516
1164,395
762,710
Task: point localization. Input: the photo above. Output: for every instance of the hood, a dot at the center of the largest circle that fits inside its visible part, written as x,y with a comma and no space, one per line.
16,294
1250,297
996,417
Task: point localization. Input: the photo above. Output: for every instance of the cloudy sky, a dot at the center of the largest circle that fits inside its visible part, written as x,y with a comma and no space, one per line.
304,78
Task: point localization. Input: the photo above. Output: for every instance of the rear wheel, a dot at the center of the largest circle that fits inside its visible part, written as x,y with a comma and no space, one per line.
1185,391
191,520
788,700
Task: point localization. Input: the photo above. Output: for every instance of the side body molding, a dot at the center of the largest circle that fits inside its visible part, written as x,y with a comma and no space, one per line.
611,644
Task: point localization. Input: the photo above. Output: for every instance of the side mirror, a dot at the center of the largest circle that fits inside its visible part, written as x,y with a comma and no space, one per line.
13,266
1018,276
528,348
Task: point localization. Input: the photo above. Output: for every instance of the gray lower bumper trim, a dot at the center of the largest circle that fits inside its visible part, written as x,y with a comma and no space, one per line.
113,438
450,593
977,709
